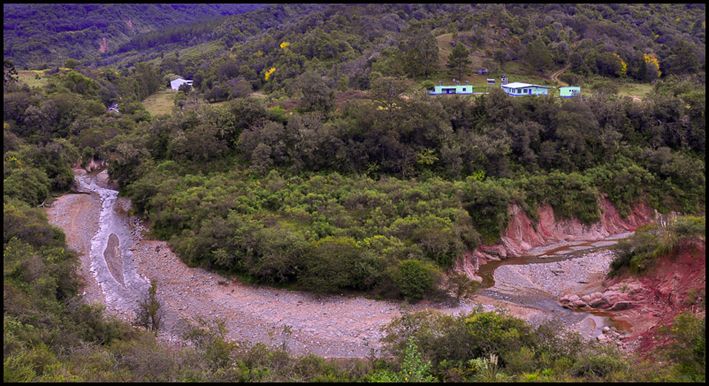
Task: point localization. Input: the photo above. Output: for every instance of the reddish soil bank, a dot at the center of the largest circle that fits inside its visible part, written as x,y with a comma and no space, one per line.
648,302
523,237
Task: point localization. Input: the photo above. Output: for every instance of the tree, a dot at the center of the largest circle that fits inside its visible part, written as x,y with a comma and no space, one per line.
149,309
387,90
9,73
539,55
185,88
460,285
317,95
239,87
413,367
71,63
415,278
419,52
458,61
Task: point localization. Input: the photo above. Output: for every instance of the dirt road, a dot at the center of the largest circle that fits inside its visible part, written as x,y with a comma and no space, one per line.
555,76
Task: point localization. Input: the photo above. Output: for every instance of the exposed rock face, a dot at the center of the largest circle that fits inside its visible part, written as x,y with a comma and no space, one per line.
522,235
103,45
647,302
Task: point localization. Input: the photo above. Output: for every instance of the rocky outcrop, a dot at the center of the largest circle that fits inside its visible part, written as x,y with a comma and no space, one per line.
523,235
103,45
615,298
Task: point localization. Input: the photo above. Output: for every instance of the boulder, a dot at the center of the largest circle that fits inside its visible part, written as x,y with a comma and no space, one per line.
579,304
599,303
621,305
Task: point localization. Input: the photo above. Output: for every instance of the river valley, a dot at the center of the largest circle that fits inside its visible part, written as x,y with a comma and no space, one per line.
118,262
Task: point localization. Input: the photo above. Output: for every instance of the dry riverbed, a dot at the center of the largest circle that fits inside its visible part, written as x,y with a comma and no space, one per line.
329,326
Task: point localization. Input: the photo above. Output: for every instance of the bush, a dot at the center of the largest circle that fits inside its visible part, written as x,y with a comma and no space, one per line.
689,347
414,278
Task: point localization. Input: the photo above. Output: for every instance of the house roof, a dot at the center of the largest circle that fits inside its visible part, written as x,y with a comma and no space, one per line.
522,85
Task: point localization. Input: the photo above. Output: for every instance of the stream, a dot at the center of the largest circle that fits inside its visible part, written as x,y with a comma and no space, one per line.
588,324
111,257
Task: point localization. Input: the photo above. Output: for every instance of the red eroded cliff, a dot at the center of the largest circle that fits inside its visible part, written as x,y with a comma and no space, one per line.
523,235
649,302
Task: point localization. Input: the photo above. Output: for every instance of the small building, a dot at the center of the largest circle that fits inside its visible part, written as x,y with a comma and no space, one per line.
569,91
456,89
524,89
491,81
483,71
175,84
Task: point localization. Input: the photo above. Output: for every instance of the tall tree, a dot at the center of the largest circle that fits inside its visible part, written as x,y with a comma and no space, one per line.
419,52
459,61
317,95
539,55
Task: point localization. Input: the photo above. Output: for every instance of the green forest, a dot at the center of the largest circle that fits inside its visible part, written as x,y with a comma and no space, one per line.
308,156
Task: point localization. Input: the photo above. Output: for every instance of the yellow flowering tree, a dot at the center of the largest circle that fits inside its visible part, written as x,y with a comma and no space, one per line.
284,45
268,73
652,63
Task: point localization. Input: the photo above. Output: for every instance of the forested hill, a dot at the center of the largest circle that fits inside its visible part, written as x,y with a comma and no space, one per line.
49,34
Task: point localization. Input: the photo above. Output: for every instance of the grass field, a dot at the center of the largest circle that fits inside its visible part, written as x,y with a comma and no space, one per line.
33,78
160,103
635,90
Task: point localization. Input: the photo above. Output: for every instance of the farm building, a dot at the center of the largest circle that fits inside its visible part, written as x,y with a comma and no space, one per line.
522,89
175,84
569,92
457,89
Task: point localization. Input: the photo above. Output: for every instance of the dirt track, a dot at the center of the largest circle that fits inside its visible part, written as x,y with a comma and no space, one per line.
555,76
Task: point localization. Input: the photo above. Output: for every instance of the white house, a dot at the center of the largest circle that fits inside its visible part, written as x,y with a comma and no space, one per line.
175,84
520,89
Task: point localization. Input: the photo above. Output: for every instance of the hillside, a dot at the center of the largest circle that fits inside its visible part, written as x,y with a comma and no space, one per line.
307,198
37,35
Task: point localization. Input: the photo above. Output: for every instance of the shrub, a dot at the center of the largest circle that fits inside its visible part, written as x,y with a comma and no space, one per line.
414,278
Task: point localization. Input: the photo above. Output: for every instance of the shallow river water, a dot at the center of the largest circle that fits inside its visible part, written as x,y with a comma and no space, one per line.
111,257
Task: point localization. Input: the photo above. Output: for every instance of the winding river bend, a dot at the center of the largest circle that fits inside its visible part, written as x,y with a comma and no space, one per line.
120,263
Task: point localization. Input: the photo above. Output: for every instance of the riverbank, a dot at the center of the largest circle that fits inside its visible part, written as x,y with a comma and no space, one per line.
121,262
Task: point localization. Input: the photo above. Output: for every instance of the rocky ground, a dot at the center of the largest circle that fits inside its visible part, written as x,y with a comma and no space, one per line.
329,326
536,288
648,302
555,278
77,215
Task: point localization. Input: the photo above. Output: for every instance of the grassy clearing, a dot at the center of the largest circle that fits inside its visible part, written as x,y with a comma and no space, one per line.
160,103
635,90
33,78
477,59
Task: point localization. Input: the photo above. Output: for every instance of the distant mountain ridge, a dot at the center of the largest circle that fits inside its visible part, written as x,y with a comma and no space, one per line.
36,35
